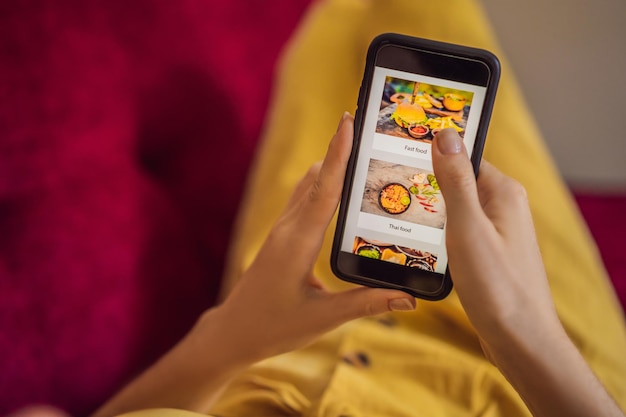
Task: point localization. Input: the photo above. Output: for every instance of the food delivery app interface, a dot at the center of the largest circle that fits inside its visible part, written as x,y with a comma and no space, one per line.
396,210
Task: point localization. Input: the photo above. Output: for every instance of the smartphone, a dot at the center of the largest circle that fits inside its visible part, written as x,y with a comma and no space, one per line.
392,217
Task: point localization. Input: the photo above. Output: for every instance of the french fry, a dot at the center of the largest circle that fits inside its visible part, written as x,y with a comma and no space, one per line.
442,123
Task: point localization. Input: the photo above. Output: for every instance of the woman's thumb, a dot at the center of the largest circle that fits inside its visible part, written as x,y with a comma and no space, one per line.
364,301
454,173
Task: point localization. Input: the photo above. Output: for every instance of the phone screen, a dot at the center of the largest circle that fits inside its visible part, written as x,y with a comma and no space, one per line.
395,210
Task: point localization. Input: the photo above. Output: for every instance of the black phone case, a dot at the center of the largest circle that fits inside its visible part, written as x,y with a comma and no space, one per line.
380,41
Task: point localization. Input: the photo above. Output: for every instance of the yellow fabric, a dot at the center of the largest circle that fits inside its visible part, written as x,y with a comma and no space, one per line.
160,412
428,362
403,375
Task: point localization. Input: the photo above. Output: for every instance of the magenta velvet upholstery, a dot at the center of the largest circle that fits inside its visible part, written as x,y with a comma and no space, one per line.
606,217
126,132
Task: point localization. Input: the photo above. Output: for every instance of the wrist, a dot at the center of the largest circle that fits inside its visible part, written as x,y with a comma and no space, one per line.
190,376
219,340
518,335
514,343
551,376
506,324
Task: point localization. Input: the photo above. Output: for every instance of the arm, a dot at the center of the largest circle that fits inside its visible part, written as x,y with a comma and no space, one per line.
188,377
498,273
277,306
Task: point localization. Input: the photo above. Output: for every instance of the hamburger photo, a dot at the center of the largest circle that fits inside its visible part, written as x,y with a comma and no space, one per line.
408,114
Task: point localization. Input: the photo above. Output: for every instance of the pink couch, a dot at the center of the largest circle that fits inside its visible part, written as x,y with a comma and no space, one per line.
126,132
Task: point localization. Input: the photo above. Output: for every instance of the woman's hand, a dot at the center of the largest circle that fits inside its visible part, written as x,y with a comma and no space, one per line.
494,258
499,276
279,305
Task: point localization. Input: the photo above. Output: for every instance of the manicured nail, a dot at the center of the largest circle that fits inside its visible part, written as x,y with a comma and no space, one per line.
344,116
449,142
401,304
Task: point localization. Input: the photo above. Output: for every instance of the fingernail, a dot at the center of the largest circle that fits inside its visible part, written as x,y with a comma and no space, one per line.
449,142
401,304
344,116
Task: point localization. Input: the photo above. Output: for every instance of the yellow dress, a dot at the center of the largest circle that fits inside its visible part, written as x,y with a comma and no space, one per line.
427,362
